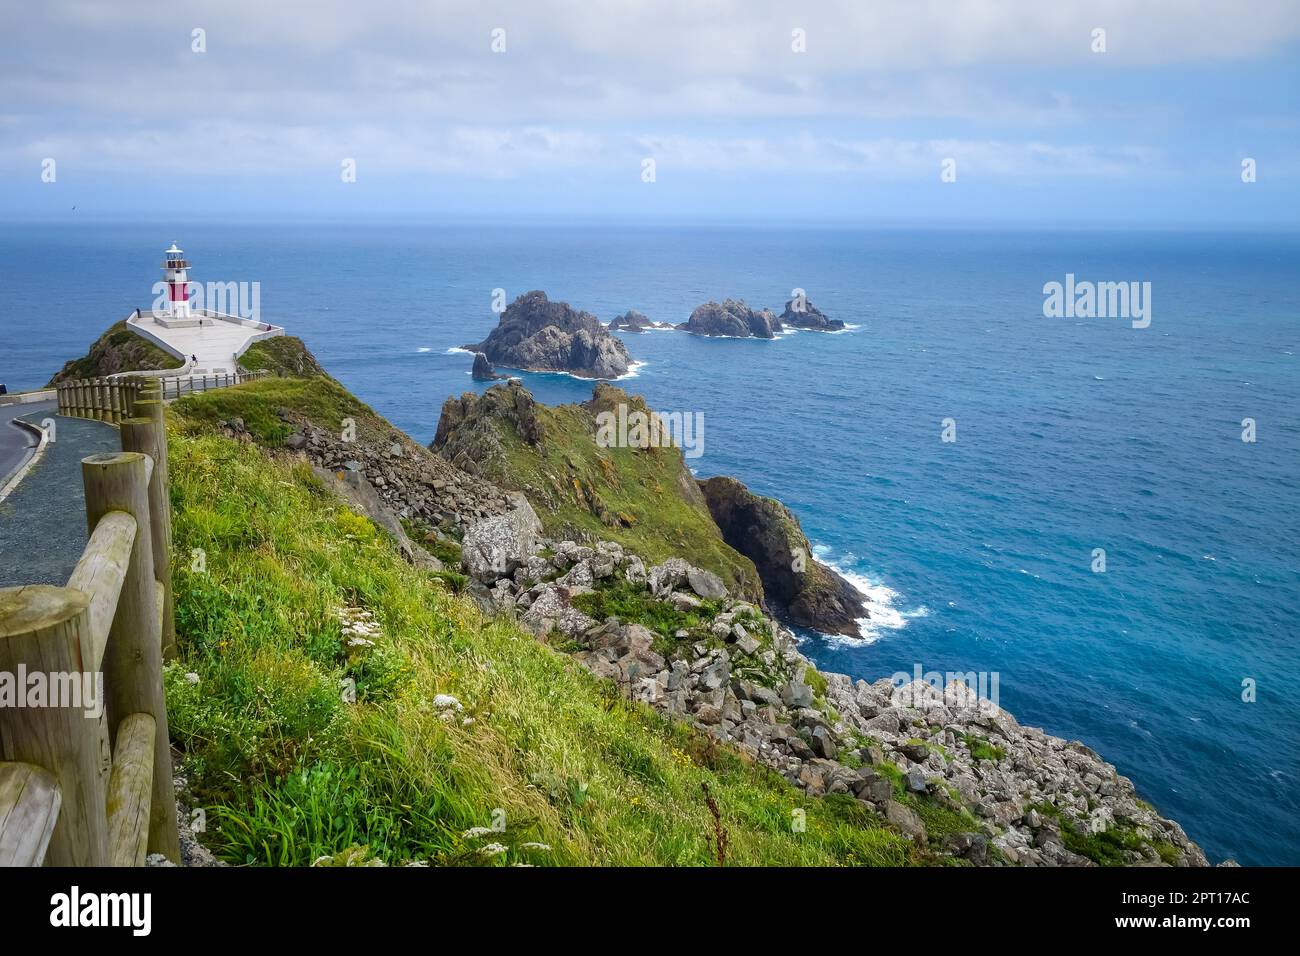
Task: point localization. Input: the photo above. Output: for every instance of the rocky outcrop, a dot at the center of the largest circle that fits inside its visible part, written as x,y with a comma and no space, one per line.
903,750
483,370
469,431
538,335
407,478
117,350
732,318
798,587
802,314
634,321
587,480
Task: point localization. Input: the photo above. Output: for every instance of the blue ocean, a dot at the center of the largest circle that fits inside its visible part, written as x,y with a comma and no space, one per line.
1072,434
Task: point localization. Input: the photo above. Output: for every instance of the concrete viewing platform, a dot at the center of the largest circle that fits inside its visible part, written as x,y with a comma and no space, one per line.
216,340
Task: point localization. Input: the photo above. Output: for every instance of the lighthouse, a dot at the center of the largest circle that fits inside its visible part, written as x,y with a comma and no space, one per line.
176,273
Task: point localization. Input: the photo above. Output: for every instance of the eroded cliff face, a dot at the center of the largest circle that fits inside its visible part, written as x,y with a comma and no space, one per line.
643,497
539,335
799,588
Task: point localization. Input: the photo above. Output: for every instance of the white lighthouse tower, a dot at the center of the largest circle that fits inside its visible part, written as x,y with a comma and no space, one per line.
176,273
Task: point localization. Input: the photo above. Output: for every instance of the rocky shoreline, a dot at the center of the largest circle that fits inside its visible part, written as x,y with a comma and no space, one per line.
993,792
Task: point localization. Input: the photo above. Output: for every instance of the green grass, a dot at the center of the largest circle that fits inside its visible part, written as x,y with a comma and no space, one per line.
981,749
321,399
282,355
632,603
645,499
288,771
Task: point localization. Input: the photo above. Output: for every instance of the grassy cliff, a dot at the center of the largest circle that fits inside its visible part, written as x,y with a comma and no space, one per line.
288,770
644,498
117,350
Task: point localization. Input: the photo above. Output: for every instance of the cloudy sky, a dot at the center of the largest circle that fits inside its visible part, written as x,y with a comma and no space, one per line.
854,127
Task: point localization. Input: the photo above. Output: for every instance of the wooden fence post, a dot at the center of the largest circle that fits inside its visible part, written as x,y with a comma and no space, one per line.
133,658
148,435
42,630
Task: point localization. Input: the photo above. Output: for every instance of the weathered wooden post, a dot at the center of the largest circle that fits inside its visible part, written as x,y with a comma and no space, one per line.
41,631
133,658
114,402
148,435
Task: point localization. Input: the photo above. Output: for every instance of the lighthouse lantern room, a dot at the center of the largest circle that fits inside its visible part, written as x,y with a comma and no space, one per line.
176,272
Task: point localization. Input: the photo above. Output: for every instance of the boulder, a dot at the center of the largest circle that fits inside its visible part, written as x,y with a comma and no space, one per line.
706,584
483,370
493,547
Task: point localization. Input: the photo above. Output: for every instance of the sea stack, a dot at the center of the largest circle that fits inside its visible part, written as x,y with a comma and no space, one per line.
483,370
538,335
732,318
802,314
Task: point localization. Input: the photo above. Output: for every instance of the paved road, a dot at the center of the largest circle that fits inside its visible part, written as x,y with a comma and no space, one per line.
17,443
43,522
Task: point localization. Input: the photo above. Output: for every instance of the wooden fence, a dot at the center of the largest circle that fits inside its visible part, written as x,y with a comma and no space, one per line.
176,386
86,778
112,399
102,399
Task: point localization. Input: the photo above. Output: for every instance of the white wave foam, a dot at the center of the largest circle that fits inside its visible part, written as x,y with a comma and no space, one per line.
633,370
882,603
424,350
458,351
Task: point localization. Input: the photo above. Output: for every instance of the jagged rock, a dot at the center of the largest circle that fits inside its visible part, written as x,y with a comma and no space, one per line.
810,594
494,547
797,694
551,610
634,321
732,318
483,370
665,578
805,315
538,335
823,743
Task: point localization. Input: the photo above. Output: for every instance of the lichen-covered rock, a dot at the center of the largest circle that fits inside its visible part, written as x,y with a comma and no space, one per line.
494,547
